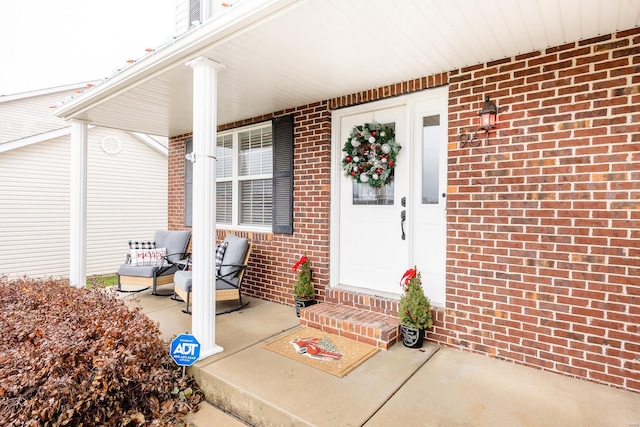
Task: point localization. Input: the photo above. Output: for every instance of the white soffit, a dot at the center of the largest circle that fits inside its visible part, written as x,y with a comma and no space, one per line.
311,50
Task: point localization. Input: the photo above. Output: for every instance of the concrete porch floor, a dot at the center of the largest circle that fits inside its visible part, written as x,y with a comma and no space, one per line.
434,386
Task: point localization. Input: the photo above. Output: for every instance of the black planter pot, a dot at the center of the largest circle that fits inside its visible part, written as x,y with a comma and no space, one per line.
302,303
412,337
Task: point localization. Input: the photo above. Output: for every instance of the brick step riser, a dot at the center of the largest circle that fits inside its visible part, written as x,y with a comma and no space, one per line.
365,318
377,304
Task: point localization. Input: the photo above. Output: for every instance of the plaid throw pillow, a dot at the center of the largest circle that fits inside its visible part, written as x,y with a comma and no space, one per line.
138,244
220,249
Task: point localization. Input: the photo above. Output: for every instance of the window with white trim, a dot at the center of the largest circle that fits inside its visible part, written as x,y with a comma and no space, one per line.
244,188
254,177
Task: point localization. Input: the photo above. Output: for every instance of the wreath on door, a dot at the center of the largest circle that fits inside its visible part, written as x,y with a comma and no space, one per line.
370,154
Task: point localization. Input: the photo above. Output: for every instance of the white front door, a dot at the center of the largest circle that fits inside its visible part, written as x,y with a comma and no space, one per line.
371,244
380,233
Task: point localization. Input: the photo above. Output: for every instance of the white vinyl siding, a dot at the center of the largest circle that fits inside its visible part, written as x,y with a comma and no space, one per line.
22,118
34,214
126,199
188,11
182,16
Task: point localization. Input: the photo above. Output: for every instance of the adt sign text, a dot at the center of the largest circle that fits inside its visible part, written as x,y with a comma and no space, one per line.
185,350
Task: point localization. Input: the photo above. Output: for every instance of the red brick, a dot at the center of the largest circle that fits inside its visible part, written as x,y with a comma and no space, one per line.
542,241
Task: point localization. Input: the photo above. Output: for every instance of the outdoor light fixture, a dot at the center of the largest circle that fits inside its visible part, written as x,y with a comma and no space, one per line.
487,122
488,115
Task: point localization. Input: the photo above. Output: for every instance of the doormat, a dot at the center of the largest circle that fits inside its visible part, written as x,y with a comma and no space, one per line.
322,350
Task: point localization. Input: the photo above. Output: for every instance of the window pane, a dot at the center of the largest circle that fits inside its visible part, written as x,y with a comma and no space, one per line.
255,152
224,199
188,184
224,154
430,160
364,194
255,202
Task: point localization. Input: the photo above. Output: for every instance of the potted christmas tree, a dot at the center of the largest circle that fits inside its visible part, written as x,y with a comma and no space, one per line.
303,291
414,309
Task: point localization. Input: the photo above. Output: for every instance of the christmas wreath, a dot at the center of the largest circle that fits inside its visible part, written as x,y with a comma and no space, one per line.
371,151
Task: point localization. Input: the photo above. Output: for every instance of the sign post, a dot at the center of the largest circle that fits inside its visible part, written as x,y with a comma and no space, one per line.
185,350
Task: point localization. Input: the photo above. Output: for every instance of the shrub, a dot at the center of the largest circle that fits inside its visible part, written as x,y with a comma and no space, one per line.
415,308
73,356
303,286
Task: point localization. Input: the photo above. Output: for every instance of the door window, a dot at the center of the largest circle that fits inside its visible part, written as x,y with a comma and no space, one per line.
364,194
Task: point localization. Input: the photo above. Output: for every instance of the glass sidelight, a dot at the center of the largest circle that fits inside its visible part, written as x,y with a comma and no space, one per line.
430,160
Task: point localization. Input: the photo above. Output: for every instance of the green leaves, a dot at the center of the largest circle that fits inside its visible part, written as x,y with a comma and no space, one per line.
303,287
415,308
370,154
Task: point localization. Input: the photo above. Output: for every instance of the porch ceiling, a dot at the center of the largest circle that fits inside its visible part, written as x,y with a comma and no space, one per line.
280,54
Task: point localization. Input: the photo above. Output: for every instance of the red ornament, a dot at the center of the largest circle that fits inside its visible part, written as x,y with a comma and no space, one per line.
373,133
348,159
391,163
353,173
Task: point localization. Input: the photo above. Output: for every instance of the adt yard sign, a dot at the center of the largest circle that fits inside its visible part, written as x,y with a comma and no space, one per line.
185,350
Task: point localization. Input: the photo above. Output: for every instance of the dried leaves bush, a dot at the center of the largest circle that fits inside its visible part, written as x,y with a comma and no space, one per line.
71,356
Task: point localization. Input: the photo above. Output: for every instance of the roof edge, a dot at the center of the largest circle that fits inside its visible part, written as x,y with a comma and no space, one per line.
47,91
176,52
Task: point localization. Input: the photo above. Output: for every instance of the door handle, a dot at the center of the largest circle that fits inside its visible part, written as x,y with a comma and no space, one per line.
403,218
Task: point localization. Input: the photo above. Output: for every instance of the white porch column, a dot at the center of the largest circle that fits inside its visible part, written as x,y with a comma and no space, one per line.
205,94
78,204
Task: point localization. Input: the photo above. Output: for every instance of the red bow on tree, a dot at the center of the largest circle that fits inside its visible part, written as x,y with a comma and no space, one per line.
408,275
301,261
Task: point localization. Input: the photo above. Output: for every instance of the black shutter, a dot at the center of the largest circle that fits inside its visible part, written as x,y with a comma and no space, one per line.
188,184
282,175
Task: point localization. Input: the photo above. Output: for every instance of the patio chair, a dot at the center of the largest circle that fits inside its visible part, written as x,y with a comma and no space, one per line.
152,267
232,256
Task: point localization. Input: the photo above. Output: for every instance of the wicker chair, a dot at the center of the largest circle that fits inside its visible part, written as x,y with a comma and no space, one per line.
230,271
161,273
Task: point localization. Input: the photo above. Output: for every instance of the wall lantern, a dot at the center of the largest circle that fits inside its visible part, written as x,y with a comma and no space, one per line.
487,122
488,115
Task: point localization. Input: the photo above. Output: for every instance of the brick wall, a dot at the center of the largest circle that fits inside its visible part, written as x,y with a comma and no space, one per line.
270,275
543,248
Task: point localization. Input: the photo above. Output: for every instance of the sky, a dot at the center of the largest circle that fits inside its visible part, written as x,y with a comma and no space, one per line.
48,43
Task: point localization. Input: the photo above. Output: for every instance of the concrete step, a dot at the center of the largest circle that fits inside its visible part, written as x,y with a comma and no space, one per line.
365,318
